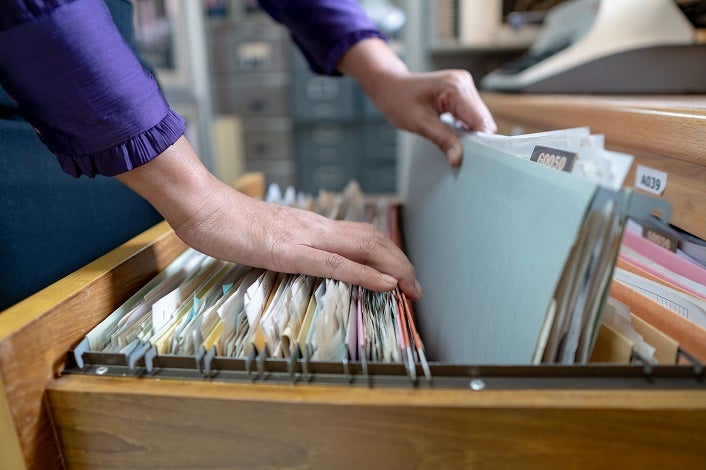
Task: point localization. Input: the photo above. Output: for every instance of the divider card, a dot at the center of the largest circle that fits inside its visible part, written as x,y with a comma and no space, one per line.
508,227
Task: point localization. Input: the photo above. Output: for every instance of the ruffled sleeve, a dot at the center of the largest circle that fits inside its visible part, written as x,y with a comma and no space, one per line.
324,30
81,87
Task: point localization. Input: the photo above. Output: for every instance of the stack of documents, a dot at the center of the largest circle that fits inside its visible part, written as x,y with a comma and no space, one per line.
201,304
656,313
516,251
532,227
659,284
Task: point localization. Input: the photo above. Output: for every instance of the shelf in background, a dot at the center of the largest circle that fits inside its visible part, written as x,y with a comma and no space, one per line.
507,41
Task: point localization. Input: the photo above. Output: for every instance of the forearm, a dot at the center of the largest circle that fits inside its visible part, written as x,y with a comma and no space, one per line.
176,183
371,62
206,213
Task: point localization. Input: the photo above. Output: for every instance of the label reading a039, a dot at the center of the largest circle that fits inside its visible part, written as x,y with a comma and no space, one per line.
650,180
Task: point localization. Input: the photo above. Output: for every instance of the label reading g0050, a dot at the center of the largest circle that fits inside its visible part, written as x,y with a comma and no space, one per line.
553,158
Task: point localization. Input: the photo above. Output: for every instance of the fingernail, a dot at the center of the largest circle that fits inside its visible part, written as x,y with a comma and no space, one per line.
389,279
453,155
418,287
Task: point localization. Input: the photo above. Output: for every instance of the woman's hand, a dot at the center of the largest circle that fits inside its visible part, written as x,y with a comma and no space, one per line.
217,220
415,101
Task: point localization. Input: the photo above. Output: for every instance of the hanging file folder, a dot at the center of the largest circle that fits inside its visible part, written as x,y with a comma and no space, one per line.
516,258
516,254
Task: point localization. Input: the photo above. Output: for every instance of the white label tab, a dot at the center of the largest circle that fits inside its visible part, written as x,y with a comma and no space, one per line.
650,180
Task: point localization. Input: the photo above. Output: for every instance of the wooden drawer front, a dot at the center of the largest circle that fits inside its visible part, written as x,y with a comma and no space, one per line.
107,422
36,333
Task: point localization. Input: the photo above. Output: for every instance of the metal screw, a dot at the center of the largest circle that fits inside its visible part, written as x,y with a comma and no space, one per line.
101,370
477,384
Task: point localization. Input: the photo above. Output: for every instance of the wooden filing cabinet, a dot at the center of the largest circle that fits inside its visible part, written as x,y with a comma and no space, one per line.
49,419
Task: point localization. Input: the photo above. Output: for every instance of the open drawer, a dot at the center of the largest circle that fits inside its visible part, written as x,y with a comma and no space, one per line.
625,416
605,417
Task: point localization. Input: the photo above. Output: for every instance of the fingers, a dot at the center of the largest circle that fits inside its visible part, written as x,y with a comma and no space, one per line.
322,263
427,96
443,137
460,97
355,252
475,114
362,243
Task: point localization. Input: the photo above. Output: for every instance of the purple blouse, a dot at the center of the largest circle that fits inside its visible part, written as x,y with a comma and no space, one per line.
323,29
89,99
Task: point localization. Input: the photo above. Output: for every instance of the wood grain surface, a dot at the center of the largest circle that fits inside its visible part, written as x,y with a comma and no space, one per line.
37,333
106,422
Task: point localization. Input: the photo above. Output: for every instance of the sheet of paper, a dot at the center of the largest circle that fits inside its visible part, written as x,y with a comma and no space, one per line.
352,326
617,316
99,337
257,296
659,259
626,264
275,317
311,311
603,260
690,336
689,307
327,335
301,293
612,347
669,277
666,348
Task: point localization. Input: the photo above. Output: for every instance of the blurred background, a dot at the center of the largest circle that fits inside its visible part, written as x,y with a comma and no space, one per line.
252,104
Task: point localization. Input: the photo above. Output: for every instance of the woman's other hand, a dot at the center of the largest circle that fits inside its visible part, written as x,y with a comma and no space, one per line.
415,101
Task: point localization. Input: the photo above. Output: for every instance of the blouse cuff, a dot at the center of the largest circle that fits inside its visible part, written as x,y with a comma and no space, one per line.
341,47
128,155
